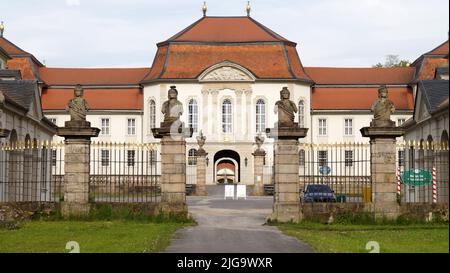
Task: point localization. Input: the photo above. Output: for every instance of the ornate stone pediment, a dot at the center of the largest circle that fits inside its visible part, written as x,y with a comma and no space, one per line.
226,72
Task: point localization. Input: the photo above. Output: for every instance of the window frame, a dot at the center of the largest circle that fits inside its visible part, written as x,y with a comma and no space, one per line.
227,124
321,127
301,114
260,116
193,114
109,126
133,127
348,127
151,114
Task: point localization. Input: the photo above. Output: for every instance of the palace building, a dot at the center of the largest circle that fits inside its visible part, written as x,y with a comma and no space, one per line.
228,81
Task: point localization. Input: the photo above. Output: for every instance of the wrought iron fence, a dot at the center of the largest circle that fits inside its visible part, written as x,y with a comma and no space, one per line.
124,172
344,169
31,171
422,171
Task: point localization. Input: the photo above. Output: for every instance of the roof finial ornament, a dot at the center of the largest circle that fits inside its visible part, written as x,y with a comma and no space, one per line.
204,8
248,8
2,29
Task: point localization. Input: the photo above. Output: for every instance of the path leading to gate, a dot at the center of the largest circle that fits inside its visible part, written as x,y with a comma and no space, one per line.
232,226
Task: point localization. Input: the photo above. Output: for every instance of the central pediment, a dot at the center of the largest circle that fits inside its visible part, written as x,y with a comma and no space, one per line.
226,72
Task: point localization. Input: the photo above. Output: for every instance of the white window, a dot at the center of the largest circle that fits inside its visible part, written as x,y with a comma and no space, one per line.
348,127
322,158
192,157
152,114
54,157
131,126
2,64
260,116
105,158
301,158
301,114
400,121
131,154
348,158
227,116
193,115
322,127
105,129
401,158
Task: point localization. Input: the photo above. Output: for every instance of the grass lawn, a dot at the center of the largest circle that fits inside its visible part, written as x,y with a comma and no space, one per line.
92,236
345,238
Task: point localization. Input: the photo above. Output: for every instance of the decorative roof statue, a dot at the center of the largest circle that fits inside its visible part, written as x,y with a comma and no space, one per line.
382,110
204,9
248,8
172,108
286,109
2,29
78,106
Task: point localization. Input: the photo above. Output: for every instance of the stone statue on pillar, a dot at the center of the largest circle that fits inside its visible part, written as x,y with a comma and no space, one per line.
382,110
286,109
172,108
78,108
259,141
201,139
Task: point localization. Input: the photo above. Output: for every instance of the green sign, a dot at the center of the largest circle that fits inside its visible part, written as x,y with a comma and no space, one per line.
416,177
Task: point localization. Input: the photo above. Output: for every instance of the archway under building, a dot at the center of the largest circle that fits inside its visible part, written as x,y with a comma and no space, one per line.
227,167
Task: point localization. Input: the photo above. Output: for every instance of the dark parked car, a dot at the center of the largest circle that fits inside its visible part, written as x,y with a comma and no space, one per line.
318,193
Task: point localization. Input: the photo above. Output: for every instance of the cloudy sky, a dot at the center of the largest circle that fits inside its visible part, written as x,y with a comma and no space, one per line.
124,33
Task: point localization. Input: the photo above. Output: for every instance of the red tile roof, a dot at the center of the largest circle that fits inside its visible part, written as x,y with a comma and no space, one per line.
349,98
11,48
442,49
227,29
427,69
98,99
354,76
188,61
93,76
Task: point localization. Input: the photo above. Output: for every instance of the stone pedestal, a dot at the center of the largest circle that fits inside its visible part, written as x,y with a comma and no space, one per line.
258,170
200,188
76,167
286,206
383,169
173,168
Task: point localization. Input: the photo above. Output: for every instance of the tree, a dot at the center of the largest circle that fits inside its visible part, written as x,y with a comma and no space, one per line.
393,61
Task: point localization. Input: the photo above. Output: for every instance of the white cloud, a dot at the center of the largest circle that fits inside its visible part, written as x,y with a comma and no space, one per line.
72,3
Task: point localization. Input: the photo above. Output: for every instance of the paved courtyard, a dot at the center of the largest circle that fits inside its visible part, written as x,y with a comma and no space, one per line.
232,226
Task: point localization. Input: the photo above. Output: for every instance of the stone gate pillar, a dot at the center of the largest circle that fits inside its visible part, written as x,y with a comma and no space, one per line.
77,133
258,167
173,155
286,134
383,133
200,188
383,169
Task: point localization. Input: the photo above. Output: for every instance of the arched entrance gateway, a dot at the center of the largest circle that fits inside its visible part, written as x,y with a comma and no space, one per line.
227,167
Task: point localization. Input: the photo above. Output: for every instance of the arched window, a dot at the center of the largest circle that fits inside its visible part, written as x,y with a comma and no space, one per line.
227,116
152,114
301,158
192,157
193,115
260,116
301,114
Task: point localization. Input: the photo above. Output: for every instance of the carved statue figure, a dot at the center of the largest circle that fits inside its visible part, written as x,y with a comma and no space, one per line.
172,108
382,110
77,106
259,140
285,109
201,139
